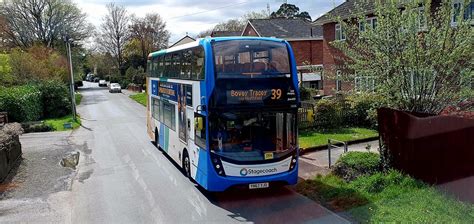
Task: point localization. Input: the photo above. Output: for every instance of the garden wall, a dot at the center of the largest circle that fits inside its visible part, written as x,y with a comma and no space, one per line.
10,148
435,149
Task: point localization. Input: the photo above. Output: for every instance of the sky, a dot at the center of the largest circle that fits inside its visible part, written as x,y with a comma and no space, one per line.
194,16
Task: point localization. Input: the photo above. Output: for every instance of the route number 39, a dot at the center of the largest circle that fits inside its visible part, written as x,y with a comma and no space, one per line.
276,94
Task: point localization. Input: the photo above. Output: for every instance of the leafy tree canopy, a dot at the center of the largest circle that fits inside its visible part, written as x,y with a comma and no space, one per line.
290,11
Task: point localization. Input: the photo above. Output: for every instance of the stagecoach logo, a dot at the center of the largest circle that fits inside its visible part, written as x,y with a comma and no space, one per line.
243,172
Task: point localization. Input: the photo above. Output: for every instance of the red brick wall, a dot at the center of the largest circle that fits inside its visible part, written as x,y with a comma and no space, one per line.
249,31
331,62
309,51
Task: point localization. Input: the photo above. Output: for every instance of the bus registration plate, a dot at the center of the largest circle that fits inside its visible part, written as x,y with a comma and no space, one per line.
258,185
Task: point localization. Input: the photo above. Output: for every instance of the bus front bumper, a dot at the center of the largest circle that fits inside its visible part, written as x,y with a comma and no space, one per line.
218,183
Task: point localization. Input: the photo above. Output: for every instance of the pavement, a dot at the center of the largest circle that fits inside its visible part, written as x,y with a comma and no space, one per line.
123,178
317,163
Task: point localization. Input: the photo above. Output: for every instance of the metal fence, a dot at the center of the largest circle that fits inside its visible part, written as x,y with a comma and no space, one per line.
335,144
308,118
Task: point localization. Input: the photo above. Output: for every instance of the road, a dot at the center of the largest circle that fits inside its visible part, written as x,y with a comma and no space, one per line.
123,178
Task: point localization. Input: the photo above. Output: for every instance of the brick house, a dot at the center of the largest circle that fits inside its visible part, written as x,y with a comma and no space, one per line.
333,67
306,40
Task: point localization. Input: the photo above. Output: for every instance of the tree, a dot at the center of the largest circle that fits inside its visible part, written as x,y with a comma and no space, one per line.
150,33
237,24
417,58
290,11
114,33
28,22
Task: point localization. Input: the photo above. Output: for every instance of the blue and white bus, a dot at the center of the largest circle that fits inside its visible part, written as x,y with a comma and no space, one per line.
225,110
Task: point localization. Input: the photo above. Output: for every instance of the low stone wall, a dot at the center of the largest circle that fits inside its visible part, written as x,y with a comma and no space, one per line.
10,147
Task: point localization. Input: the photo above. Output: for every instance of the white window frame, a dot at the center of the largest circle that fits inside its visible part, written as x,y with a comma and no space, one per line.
338,81
461,6
339,32
368,20
364,84
422,22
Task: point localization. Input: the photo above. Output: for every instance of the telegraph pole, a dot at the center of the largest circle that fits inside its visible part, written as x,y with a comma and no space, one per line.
73,99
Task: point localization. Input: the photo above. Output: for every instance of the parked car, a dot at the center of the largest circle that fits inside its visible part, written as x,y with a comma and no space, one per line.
115,88
102,83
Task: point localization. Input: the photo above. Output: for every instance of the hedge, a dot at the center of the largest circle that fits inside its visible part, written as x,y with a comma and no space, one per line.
56,99
23,103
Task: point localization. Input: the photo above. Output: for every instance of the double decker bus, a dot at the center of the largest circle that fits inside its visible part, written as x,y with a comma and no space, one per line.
225,110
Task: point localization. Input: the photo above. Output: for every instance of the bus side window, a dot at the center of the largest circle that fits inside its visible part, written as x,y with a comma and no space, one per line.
200,130
186,65
198,63
167,65
176,70
149,67
159,70
154,67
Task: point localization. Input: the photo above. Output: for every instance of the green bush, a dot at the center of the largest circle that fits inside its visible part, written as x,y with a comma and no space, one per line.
328,114
56,99
354,164
362,109
23,103
305,94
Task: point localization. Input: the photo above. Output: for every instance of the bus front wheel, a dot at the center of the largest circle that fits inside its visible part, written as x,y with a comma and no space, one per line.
157,137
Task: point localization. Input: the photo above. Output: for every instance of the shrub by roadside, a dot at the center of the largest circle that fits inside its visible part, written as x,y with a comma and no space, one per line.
23,103
355,164
55,98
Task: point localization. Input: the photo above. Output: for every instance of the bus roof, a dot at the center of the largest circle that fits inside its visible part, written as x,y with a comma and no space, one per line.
200,40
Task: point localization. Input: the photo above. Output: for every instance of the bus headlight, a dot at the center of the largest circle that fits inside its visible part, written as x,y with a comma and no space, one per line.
293,162
217,164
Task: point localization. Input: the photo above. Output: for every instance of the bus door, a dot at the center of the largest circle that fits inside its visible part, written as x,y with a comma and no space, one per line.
184,106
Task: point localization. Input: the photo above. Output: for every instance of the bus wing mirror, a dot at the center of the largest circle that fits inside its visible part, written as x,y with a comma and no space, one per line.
201,108
199,124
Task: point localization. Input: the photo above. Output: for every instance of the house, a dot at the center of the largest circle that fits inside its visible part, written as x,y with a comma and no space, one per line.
332,65
225,33
186,39
305,38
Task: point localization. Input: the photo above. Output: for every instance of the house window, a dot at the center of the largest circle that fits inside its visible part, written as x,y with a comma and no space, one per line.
421,19
364,84
457,10
340,34
338,80
369,22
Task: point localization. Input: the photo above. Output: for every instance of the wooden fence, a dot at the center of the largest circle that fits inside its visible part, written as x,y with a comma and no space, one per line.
435,149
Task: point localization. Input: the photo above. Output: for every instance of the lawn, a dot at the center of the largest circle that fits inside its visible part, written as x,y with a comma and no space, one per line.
58,123
78,97
387,197
140,98
320,138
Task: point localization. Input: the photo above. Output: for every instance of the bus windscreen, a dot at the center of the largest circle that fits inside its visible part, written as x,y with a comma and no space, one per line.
251,59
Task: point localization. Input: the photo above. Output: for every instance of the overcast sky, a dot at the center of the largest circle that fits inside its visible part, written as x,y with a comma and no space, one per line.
193,16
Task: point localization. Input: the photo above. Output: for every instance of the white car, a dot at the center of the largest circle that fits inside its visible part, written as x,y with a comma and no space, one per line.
102,83
115,88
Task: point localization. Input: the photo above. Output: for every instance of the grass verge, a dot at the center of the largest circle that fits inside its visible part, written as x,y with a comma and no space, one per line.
387,197
319,138
78,97
57,124
140,98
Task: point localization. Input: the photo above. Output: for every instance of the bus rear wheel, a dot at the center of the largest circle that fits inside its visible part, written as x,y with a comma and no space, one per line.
186,165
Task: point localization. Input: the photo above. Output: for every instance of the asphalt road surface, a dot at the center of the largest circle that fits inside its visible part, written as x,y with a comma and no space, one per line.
123,178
